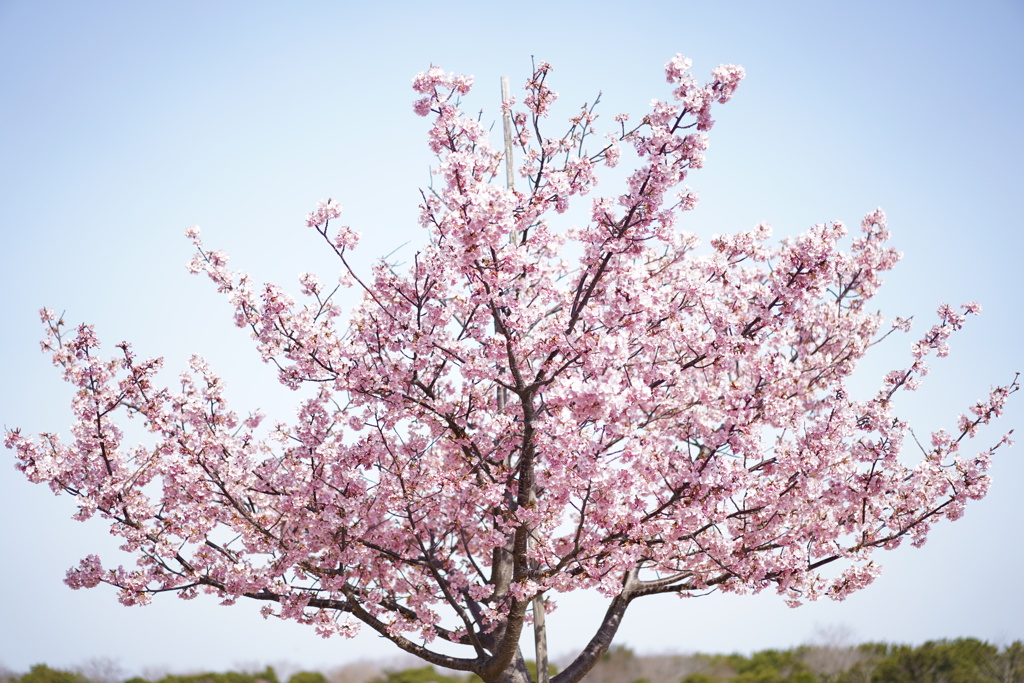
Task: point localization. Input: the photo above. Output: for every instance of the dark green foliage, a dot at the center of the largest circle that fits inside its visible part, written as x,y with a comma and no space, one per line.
964,660
425,674
700,678
268,675
770,666
1008,665
40,673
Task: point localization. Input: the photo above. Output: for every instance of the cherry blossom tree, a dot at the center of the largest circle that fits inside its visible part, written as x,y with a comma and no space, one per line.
525,411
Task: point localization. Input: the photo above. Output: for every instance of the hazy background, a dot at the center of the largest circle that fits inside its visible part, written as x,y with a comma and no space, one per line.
123,123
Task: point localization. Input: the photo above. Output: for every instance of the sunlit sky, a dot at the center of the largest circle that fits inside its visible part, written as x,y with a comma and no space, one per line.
121,124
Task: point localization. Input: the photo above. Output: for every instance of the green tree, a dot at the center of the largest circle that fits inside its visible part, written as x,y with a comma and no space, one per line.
772,666
1008,665
863,669
268,675
307,677
40,673
963,660
426,674
700,678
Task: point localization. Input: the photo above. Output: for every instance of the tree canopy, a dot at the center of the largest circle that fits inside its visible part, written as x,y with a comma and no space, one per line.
526,410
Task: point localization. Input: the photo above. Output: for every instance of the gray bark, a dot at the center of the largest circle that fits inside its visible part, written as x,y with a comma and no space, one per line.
540,638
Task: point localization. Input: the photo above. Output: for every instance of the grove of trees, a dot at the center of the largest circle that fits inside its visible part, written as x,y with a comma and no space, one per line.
963,660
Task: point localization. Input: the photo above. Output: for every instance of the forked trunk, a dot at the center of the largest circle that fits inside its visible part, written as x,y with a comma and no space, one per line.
515,672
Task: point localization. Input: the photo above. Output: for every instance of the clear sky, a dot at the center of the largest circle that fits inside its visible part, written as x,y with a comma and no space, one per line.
123,123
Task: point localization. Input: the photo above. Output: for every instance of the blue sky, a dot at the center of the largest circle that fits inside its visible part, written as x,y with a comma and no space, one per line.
121,124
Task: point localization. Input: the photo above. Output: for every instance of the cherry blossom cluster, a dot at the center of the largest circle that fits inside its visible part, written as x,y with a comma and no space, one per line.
503,422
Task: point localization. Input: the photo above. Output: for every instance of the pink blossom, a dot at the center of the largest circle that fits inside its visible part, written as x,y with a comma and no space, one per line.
325,211
88,574
727,78
422,106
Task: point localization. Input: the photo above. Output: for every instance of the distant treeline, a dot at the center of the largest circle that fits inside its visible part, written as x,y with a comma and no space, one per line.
964,660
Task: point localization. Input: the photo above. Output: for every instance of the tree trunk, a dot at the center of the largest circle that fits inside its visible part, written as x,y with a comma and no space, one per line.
515,672
540,639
